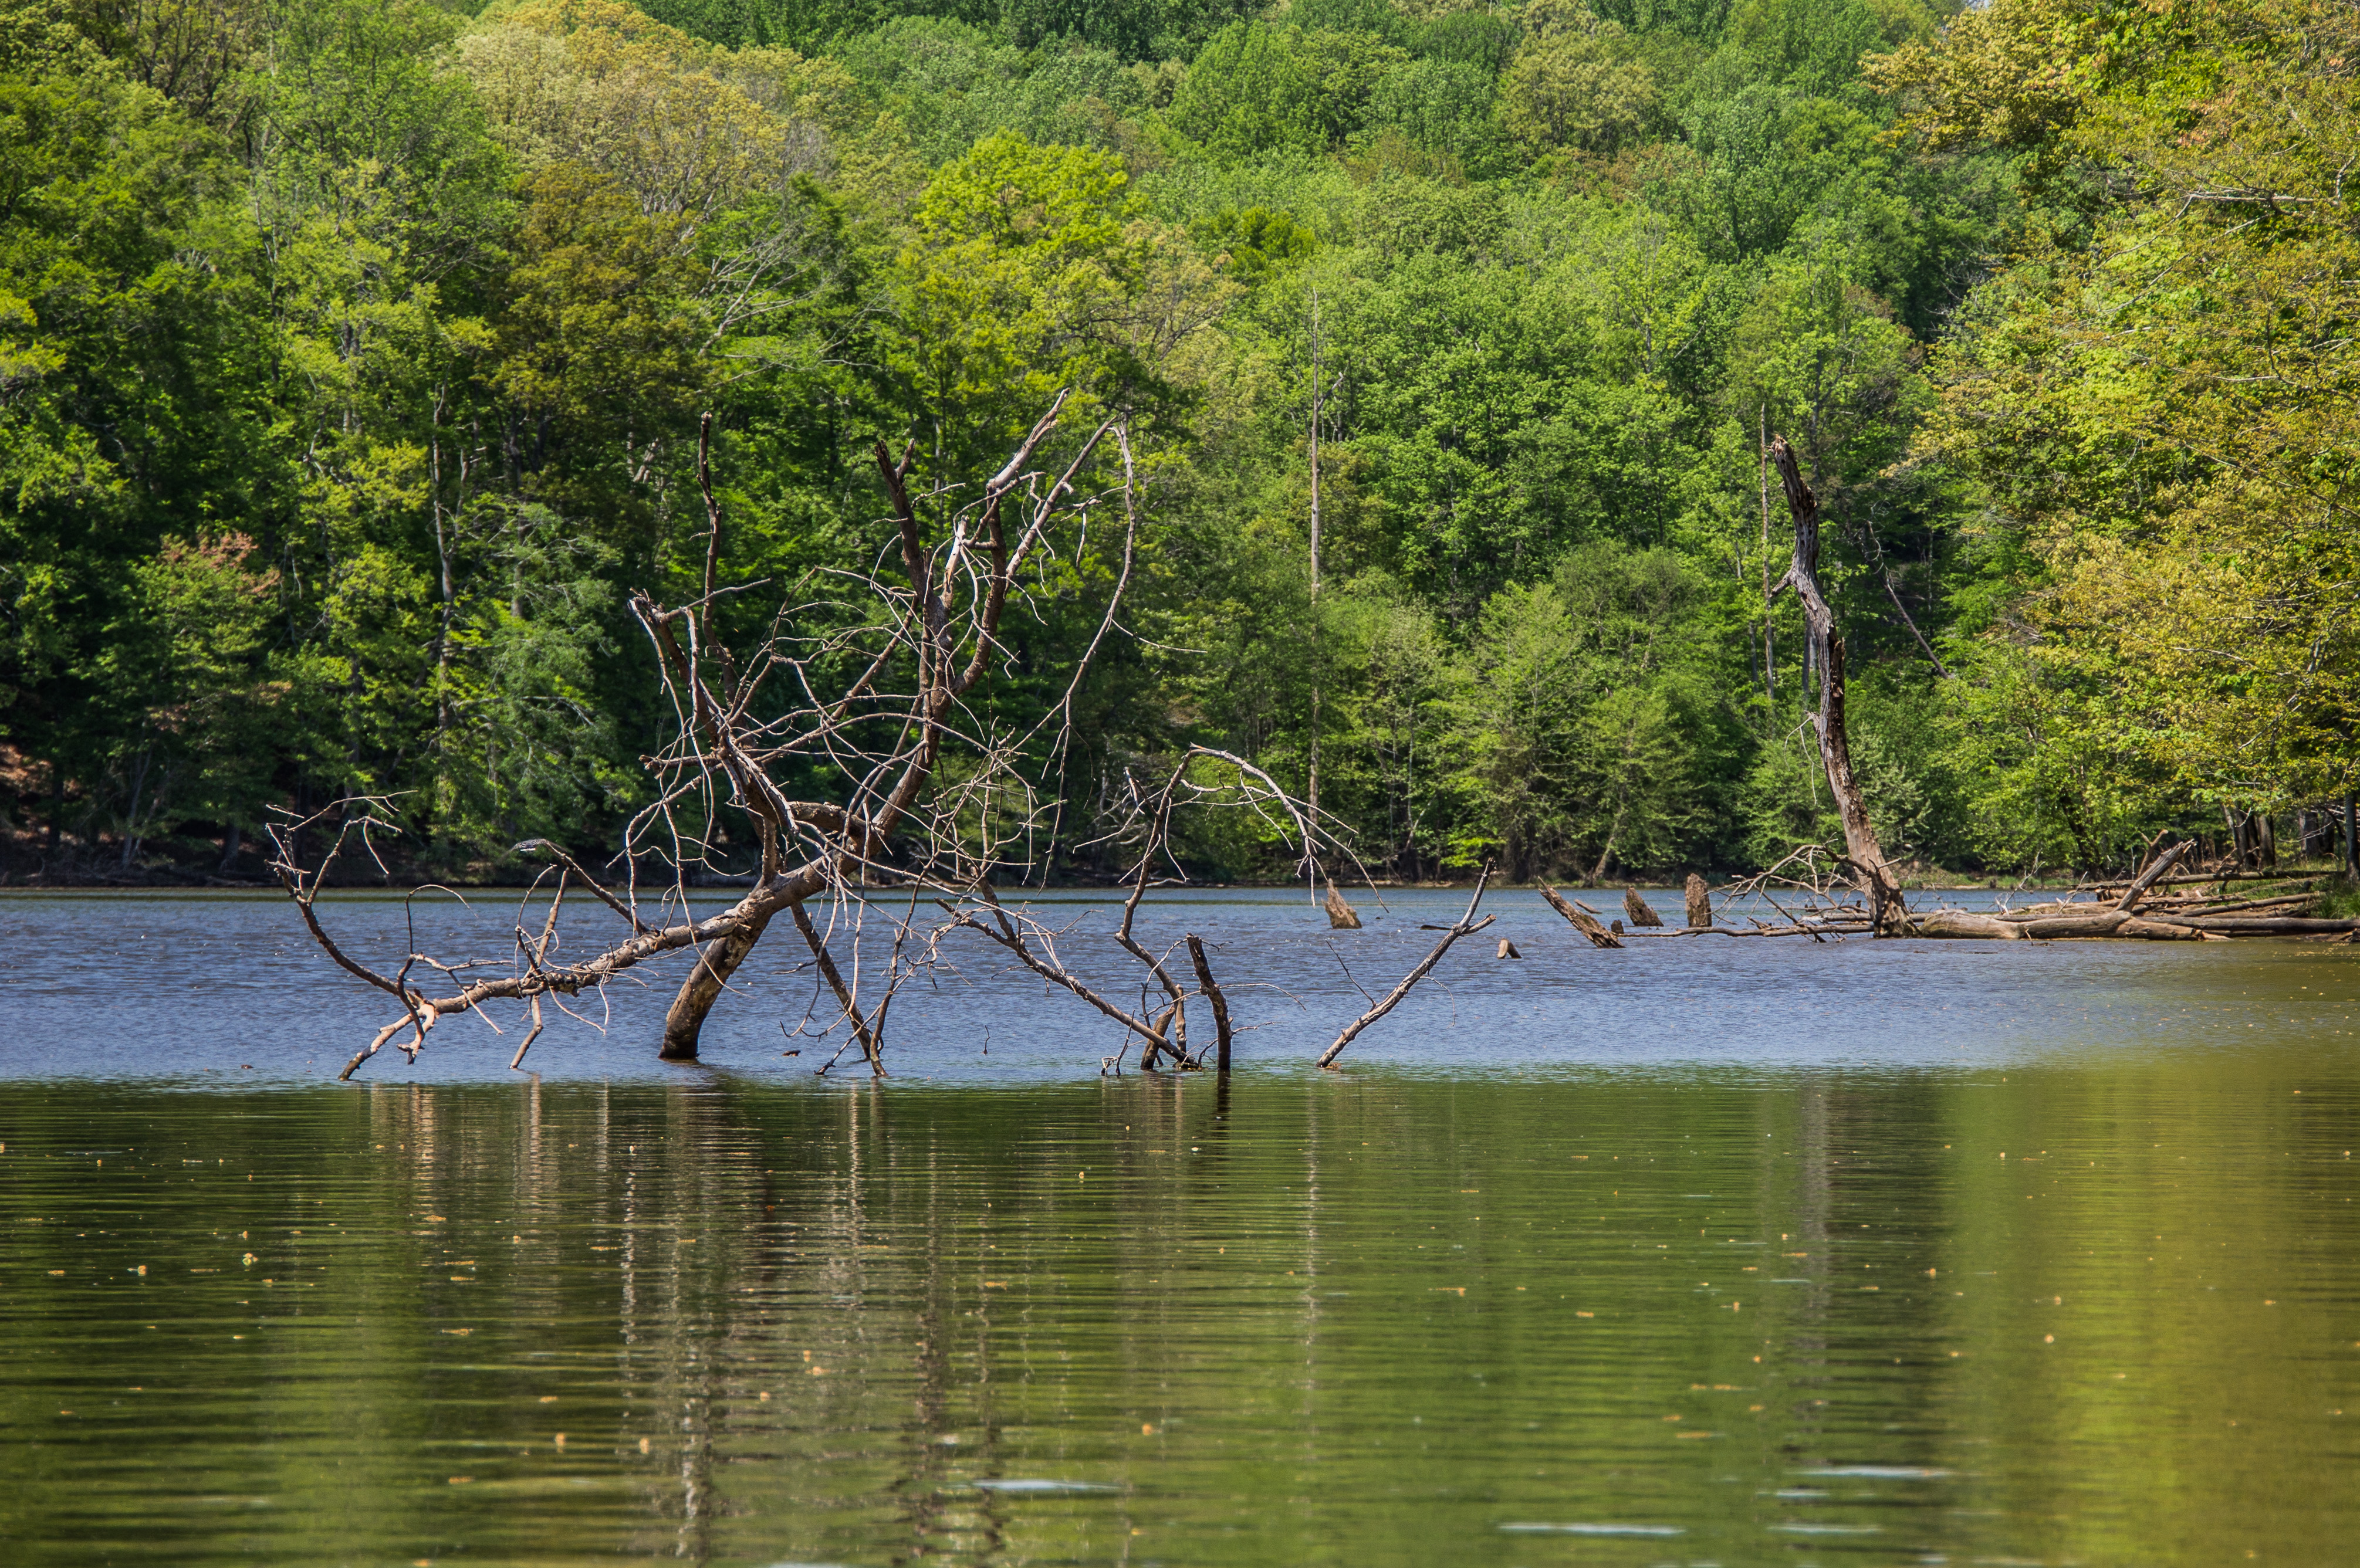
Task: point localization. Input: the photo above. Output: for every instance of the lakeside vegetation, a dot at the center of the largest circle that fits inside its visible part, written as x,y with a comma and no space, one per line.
353,358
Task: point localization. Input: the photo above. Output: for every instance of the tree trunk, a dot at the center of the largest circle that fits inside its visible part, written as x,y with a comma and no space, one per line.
1887,911
1699,902
704,984
1340,915
2352,836
1636,908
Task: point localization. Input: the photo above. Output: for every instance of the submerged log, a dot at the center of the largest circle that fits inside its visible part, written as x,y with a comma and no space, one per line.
1583,921
1699,902
1340,915
1636,908
1508,949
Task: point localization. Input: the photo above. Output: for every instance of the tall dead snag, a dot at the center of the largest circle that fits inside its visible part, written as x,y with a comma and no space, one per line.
1887,913
1583,921
1465,925
1641,913
1699,898
1341,916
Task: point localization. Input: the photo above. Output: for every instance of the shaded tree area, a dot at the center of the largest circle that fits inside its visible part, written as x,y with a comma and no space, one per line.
353,358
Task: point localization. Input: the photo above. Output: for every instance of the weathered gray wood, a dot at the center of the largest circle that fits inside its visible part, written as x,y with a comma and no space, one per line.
1636,908
1467,926
1220,1004
1583,921
2162,864
1340,915
1866,857
1699,902
1965,923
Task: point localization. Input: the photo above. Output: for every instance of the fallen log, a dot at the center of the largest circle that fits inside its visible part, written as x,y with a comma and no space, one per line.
2158,931
2268,925
1637,908
1966,924
1583,921
2105,924
2156,867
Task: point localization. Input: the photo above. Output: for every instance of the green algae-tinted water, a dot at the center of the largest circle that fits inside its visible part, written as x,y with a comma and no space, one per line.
2097,1311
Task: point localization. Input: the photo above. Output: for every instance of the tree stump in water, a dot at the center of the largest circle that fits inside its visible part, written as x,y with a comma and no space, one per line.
1699,903
1508,949
1339,913
1637,908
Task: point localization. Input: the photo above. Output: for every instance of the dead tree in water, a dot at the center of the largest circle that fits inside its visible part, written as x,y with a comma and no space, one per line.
1887,914
905,651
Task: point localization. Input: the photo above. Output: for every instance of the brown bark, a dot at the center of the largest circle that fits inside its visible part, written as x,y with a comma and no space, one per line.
1887,911
1213,994
1340,915
1636,908
1583,921
1699,902
2155,869
685,1021
1467,925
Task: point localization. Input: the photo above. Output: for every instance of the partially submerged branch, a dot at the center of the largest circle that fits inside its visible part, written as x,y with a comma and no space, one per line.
1465,925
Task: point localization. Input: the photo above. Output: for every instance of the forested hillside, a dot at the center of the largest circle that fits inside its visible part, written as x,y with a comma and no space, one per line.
353,355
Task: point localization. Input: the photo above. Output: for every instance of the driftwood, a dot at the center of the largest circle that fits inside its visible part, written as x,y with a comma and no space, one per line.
1341,916
1465,925
1636,908
1508,949
1583,921
2170,918
1699,899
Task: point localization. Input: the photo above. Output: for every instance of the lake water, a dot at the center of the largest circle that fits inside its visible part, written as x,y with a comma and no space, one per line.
1707,1251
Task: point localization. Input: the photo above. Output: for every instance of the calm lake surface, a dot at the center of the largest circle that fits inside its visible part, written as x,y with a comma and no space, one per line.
1707,1251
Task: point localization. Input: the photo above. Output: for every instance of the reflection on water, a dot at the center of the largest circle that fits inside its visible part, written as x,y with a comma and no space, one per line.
2090,1311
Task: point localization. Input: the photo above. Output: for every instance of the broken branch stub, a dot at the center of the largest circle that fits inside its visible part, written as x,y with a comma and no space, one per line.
1700,901
1638,908
1583,921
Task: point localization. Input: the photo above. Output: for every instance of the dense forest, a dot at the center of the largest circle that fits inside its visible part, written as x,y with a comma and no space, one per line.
354,354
